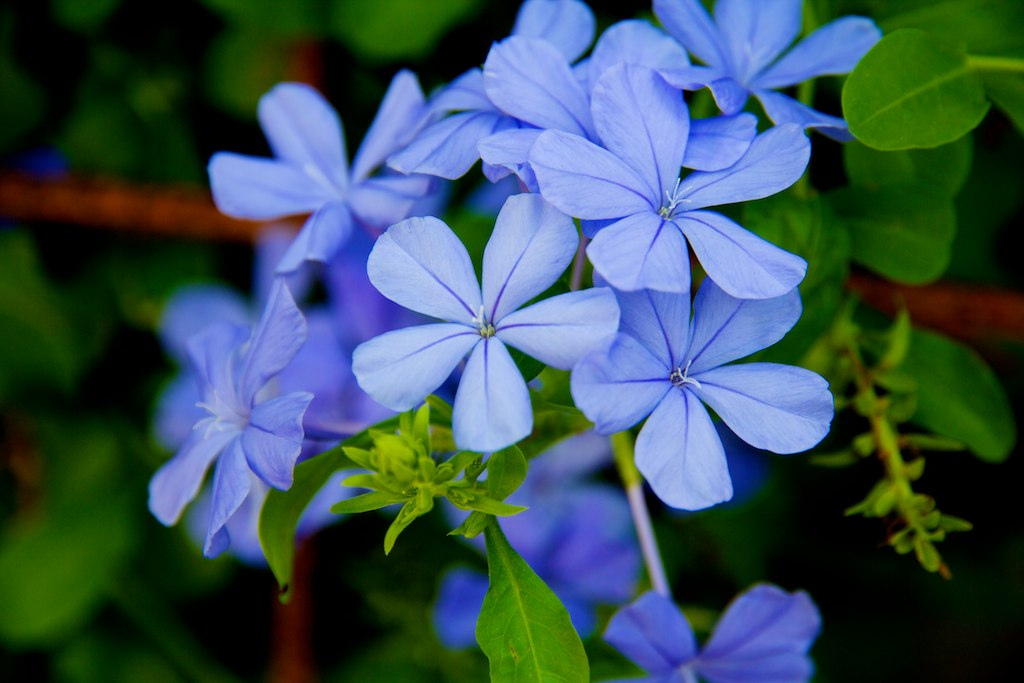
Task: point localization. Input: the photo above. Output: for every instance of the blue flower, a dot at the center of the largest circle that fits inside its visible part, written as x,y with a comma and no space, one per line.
250,434
633,186
420,264
741,48
763,637
310,172
664,366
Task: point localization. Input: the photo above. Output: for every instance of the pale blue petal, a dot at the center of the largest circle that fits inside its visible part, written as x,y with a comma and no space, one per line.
784,109
719,142
276,340
465,93
232,481
561,330
635,41
260,189
420,264
399,117
780,408
658,320
492,406
176,412
399,369
214,355
384,200
618,387
727,329
448,148
730,95
776,159
756,31
177,482
587,181
321,237
644,121
272,244
566,24
835,48
529,79
689,23
272,441
763,637
653,633
510,149
193,308
642,251
740,262
692,77
531,246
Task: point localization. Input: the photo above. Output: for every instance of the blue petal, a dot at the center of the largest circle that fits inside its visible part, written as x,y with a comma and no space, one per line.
658,320
566,24
653,633
176,412
510,149
561,330
740,262
321,237
214,356
727,329
680,455
531,246
276,340
642,251
492,406
756,31
776,159
783,109
635,41
719,142
644,121
400,368
177,482
250,187
272,244
459,600
400,116
193,308
835,48
232,481
689,23
763,637
465,93
447,149
384,200
529,79
272,441
730,95
420,264
780,408
618,387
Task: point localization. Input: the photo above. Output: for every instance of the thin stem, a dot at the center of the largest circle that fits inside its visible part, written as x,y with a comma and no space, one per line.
622,447
989,63
577,266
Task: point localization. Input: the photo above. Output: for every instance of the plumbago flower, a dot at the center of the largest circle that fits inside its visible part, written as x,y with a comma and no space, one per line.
648,211
420,264
763,637
310,172
741,49
255,436
663,365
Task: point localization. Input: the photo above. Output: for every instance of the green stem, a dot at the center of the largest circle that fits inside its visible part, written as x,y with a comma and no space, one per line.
989,63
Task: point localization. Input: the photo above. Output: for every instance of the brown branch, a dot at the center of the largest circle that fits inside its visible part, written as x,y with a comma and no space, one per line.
291,657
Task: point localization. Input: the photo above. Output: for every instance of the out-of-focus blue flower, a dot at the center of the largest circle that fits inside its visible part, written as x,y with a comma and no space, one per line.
763,637
664,366
577,535
420,264
743,47
309,172
250,434
648,212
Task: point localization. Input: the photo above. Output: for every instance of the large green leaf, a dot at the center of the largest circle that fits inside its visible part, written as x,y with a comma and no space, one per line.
945,167
389,30
959,396
983,26
523,627
912,90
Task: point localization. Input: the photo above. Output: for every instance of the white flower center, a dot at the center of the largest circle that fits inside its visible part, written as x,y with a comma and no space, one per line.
680,379
483,325
673,199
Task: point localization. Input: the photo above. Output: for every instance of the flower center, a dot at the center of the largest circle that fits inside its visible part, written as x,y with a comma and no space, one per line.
483,325
221,416
672,200
680,379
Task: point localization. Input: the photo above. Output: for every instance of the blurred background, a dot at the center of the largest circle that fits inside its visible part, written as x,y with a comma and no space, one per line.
109,110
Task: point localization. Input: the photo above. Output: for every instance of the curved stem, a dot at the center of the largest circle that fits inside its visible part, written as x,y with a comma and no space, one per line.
990,63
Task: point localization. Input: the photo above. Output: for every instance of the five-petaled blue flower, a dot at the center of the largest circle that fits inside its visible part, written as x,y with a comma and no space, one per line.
663,365
741,49
763,637
633,185
254,435
420,264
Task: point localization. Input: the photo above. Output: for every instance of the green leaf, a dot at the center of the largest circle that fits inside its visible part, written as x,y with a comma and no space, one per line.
945,167
960,397
932,442
903,233
390,30
1007,92
241,65
406,516
24,101
912,90
288,19
523,628
490,506
83,16
374,500
506,470
983,26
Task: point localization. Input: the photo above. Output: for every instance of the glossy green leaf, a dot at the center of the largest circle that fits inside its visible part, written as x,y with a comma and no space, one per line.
983,26
374,500
389,30
960,397
912,90
523,628
945,167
